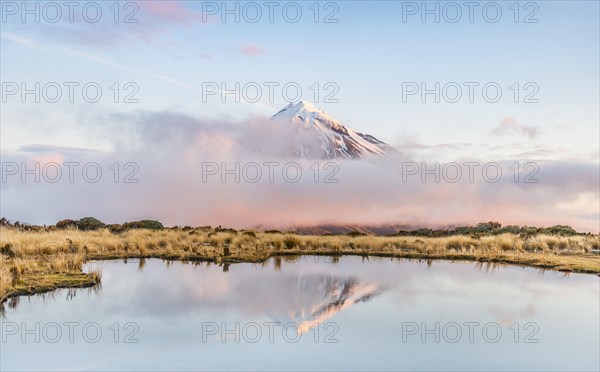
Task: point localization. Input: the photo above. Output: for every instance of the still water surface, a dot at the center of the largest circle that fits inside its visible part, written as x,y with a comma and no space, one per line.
310,313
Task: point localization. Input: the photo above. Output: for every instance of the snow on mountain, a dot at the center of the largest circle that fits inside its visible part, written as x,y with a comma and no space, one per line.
318,135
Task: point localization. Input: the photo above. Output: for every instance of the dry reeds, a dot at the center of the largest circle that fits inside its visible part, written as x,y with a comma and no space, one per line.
27,256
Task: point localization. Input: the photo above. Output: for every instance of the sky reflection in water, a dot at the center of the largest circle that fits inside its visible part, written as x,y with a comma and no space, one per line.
371,314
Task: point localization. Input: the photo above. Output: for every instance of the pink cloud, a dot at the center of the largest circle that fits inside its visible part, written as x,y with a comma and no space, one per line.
154,20
510,125
173,11
252,50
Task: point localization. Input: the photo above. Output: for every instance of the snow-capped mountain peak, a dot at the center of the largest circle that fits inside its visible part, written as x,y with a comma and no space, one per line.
303,112
299,108
318,135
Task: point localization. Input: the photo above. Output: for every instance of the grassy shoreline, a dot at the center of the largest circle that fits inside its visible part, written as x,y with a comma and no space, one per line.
41,261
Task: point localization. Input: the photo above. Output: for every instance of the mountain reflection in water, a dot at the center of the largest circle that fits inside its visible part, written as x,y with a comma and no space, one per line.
316,298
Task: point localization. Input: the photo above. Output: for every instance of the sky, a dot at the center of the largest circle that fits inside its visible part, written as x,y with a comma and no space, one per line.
173,62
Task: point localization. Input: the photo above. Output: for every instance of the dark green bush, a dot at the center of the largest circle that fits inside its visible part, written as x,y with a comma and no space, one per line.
491,228
227,230
89,223
273,232
144,224
65,224
355,233
559,230
115,228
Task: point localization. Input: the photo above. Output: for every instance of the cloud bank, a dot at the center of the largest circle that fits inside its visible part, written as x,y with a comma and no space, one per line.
184,170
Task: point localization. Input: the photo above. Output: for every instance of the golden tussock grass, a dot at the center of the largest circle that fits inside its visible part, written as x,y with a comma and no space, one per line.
32,262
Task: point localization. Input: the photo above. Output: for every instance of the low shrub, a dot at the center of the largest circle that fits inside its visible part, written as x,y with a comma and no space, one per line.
89,223
65,224
145,224
355,233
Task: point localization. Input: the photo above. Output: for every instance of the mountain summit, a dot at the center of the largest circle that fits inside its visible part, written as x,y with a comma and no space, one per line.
323,137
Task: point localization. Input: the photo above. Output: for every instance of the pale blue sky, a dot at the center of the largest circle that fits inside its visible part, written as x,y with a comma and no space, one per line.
368,54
